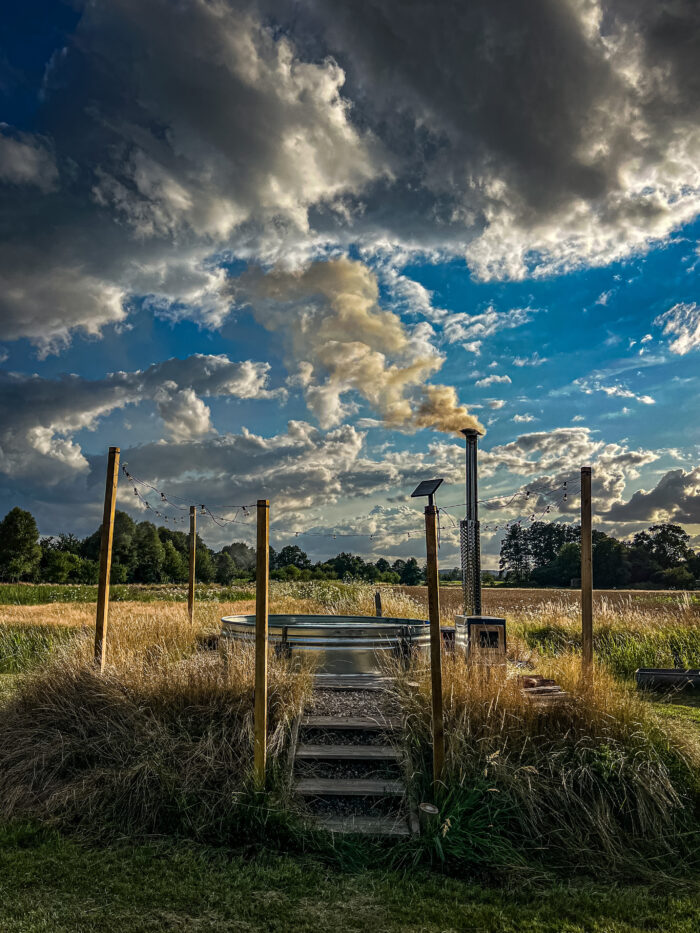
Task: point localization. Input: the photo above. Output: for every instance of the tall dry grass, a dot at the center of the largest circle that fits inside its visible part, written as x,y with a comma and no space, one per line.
592,781
159,743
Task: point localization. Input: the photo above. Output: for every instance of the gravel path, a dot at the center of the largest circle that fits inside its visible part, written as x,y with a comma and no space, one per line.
374,703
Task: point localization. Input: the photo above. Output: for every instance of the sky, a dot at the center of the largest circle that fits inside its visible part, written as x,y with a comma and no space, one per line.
288,249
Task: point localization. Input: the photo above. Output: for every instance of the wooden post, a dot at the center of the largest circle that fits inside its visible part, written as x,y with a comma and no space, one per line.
435,641
106,557
378,604
262,574
586,572
193,554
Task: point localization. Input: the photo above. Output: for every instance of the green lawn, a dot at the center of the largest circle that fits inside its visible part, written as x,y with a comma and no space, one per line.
48,883
683,707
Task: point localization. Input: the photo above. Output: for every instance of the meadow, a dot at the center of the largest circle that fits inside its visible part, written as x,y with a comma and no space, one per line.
157,751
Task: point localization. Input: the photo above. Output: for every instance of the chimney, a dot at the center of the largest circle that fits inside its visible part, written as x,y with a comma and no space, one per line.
469,530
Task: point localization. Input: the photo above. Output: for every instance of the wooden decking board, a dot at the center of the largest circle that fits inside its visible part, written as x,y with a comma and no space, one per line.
349,752
351,682
348,787
359,723
367,825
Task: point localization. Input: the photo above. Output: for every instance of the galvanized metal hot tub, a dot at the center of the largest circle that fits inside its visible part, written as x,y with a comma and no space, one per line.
343,646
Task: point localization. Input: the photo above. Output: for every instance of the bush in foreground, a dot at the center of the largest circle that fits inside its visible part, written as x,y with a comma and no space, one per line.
161,743
589,785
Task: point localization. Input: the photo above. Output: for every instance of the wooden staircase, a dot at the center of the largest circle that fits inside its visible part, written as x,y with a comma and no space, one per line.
351,776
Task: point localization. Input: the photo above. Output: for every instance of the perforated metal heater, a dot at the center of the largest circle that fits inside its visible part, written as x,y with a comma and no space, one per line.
469,537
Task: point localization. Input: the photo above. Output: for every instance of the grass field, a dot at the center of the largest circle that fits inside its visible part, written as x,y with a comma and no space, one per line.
560,816
50,883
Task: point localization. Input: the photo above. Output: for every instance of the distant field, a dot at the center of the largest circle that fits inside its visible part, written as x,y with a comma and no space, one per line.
500,601
35,594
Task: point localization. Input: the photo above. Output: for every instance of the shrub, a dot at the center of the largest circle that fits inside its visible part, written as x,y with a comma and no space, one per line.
161,743
589,782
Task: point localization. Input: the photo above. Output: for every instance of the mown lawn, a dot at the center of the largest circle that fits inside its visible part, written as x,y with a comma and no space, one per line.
48,883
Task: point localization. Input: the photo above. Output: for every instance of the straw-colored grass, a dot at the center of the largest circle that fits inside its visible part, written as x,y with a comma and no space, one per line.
160,743
592,781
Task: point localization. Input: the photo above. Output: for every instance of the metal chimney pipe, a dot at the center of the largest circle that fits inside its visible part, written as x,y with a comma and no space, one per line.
470,538
472,438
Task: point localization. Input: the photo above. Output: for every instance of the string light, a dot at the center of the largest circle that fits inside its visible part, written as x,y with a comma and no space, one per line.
542,489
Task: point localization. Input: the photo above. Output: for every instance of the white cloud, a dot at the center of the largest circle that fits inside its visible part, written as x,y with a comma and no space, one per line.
534,360
523,419
493,379
589,386
683,322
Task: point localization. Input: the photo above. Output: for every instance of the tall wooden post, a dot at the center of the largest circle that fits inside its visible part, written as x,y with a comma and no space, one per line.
435,641
586,572
106,557
193,554
262,573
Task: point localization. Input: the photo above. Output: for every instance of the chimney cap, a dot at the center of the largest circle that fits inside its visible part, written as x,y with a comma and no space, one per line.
471,432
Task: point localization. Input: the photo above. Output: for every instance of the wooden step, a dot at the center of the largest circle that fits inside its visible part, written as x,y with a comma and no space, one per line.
358,723
348,787
351,682
541,691
366,825
349,752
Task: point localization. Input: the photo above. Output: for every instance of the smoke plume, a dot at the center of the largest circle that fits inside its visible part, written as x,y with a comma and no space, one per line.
339,340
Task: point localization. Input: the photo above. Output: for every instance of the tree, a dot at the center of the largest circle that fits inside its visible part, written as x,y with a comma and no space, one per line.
20,551
204,564
175,568
244,556
546,539
610,564
123,546
411,575
515,554
148,554
667,544
675,578
383,565
225,568
569,563
292,555
56,565
68,543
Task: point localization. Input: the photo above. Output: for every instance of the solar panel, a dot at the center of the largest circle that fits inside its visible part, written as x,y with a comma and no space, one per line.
427,488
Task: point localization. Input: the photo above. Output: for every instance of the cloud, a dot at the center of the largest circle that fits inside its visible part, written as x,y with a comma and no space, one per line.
492,380
534,360
279,133
26,159
523,419
42,416
557,160
683,322
675,498
589,386
211,135
342,342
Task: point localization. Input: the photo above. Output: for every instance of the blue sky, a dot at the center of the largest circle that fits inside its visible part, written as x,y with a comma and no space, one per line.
264,252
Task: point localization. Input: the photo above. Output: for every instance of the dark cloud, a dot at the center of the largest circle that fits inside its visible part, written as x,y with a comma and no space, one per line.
675,498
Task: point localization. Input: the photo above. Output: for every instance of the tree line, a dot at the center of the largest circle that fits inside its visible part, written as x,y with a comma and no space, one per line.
549,554
144,553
